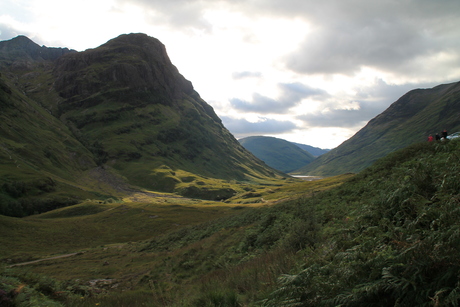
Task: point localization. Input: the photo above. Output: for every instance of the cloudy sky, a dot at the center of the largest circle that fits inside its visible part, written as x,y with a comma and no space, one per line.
312,72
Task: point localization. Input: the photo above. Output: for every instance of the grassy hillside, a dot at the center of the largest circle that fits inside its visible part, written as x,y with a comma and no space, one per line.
184,240
391,236
386,236
138,113
409,120
41,162
277,153
104,122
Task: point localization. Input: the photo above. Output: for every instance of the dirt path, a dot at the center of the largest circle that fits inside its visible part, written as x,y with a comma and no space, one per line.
45,259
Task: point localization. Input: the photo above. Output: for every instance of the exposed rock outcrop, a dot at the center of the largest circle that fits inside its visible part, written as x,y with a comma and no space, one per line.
131,61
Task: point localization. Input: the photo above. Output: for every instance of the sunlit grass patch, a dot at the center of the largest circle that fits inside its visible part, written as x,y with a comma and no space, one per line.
165,242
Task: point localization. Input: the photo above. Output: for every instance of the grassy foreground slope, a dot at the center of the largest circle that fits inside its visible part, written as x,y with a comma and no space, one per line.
388,236
185,241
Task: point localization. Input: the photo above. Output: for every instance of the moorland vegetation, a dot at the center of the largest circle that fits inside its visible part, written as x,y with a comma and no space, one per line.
388,236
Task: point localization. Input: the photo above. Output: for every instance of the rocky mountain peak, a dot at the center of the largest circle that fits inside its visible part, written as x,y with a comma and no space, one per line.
133,61
122,106
19,42
21,48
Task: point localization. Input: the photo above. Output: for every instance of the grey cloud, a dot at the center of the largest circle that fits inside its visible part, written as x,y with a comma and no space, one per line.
260,104
340,117
386,45
246,74
241,127
176,13
372,100
7,32
359,10
291,95
384,94
391,36
295,92
345,35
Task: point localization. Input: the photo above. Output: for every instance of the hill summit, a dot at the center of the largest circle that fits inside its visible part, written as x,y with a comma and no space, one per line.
117,115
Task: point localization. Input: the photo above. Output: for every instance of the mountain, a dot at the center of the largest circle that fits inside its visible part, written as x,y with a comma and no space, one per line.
277,153
80,124
409,120
315,151
21,51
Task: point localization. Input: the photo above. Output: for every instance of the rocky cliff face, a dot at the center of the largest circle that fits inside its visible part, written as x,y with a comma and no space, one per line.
134,61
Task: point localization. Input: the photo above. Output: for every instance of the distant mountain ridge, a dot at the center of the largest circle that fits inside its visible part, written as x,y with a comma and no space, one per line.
315,151
121,112
22,48
277,153
409,120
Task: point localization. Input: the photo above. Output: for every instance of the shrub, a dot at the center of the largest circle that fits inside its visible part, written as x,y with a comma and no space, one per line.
15,189
218,298
398,245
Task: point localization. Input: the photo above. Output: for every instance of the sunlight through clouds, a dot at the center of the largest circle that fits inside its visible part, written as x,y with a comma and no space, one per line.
258,63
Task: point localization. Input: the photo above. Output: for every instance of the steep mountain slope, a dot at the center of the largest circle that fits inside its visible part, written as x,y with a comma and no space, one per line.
277,153
40,161
121,109
127,99
410,119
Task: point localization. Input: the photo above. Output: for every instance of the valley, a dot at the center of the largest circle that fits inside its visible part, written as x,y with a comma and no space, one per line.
112,246
120,186
359,237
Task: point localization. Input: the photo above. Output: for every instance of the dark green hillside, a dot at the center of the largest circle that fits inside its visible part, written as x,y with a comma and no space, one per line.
391,236
410,119
77,120
130,104
43,142
277,153
41,162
